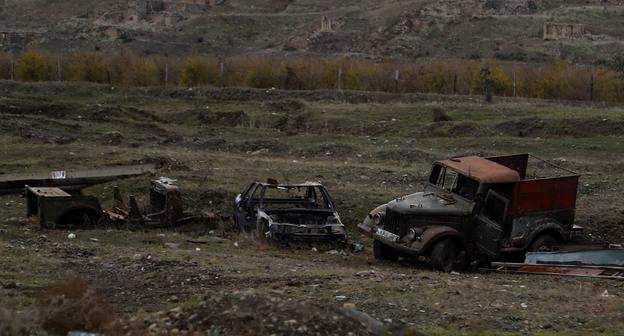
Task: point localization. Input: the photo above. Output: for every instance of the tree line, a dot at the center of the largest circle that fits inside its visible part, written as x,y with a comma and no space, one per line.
553,80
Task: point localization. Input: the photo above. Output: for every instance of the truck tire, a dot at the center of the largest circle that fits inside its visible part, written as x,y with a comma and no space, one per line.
444,255
382,251
543,243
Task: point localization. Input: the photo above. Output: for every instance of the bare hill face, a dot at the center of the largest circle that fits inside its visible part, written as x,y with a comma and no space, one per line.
408,29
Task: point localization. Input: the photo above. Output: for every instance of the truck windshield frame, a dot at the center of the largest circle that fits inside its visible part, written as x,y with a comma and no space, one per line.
451,181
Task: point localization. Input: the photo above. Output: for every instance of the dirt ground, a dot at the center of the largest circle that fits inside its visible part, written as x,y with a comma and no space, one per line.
365,152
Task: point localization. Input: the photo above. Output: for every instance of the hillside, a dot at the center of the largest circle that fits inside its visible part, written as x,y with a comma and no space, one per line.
401,29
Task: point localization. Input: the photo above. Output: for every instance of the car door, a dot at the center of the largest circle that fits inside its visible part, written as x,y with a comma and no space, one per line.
490,223
242,204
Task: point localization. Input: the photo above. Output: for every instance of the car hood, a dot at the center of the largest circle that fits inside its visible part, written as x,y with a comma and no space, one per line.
432,203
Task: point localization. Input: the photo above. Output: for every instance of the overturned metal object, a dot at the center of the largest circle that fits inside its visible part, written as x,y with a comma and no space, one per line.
70,180
165,210
56,208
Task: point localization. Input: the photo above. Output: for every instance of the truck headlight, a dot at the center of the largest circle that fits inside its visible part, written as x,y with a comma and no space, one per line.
378,218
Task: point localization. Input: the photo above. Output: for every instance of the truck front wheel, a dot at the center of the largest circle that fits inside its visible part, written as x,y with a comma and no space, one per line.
444,255
384,252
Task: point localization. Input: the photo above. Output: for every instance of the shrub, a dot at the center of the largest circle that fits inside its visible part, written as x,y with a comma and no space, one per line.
198,71
88,66
34,66
73,304
440,115
262,75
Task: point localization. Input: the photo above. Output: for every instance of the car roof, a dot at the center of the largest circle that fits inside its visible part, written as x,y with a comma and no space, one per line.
482,170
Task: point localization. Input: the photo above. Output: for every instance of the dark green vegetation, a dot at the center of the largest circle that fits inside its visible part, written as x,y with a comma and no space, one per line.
366,148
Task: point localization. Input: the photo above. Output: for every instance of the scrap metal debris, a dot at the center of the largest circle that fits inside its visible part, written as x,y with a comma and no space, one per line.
56,208
71,180
602,263
165,210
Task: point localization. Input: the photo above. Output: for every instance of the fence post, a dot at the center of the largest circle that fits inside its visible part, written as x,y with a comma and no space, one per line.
591,87
514,83
222,73
339,79
12,69
455,83
166,74
58,68
396,81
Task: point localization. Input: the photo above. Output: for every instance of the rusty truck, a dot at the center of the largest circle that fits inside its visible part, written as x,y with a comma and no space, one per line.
476,208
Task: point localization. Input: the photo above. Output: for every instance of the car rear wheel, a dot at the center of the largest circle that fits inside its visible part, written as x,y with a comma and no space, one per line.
384,252
544,243
444,255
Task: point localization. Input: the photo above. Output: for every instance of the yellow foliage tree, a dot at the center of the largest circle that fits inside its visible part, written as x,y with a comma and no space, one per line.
198,70
34,66
88,66
262,75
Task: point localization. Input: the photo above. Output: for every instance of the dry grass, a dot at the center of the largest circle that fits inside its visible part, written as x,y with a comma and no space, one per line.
74,304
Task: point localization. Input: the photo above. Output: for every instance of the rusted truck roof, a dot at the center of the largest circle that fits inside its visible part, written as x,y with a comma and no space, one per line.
482,170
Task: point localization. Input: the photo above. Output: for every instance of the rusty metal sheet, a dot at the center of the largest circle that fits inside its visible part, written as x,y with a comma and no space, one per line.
603,272
482,170
604,257
577,271
15,183
545,194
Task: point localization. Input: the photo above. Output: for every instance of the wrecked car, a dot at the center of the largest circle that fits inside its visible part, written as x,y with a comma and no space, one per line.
288,212
475,207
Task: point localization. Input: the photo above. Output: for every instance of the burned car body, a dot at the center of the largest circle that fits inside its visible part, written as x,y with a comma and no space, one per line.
473,207
288,212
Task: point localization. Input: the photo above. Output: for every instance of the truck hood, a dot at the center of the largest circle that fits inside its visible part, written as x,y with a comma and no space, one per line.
432,203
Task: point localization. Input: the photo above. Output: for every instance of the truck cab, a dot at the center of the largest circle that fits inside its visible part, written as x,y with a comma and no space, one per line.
474,206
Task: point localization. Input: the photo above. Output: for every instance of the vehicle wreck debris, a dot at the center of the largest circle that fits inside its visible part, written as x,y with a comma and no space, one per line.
71,180
596,263
474,207
165,210
56,208
288,212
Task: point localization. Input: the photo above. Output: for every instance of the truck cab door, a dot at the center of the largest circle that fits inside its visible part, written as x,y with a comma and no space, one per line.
490,220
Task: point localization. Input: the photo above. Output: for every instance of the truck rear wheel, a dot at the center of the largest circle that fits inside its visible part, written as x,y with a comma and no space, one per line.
444,255
543,243
382,251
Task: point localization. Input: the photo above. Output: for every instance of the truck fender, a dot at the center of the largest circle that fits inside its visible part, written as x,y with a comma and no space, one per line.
424,240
